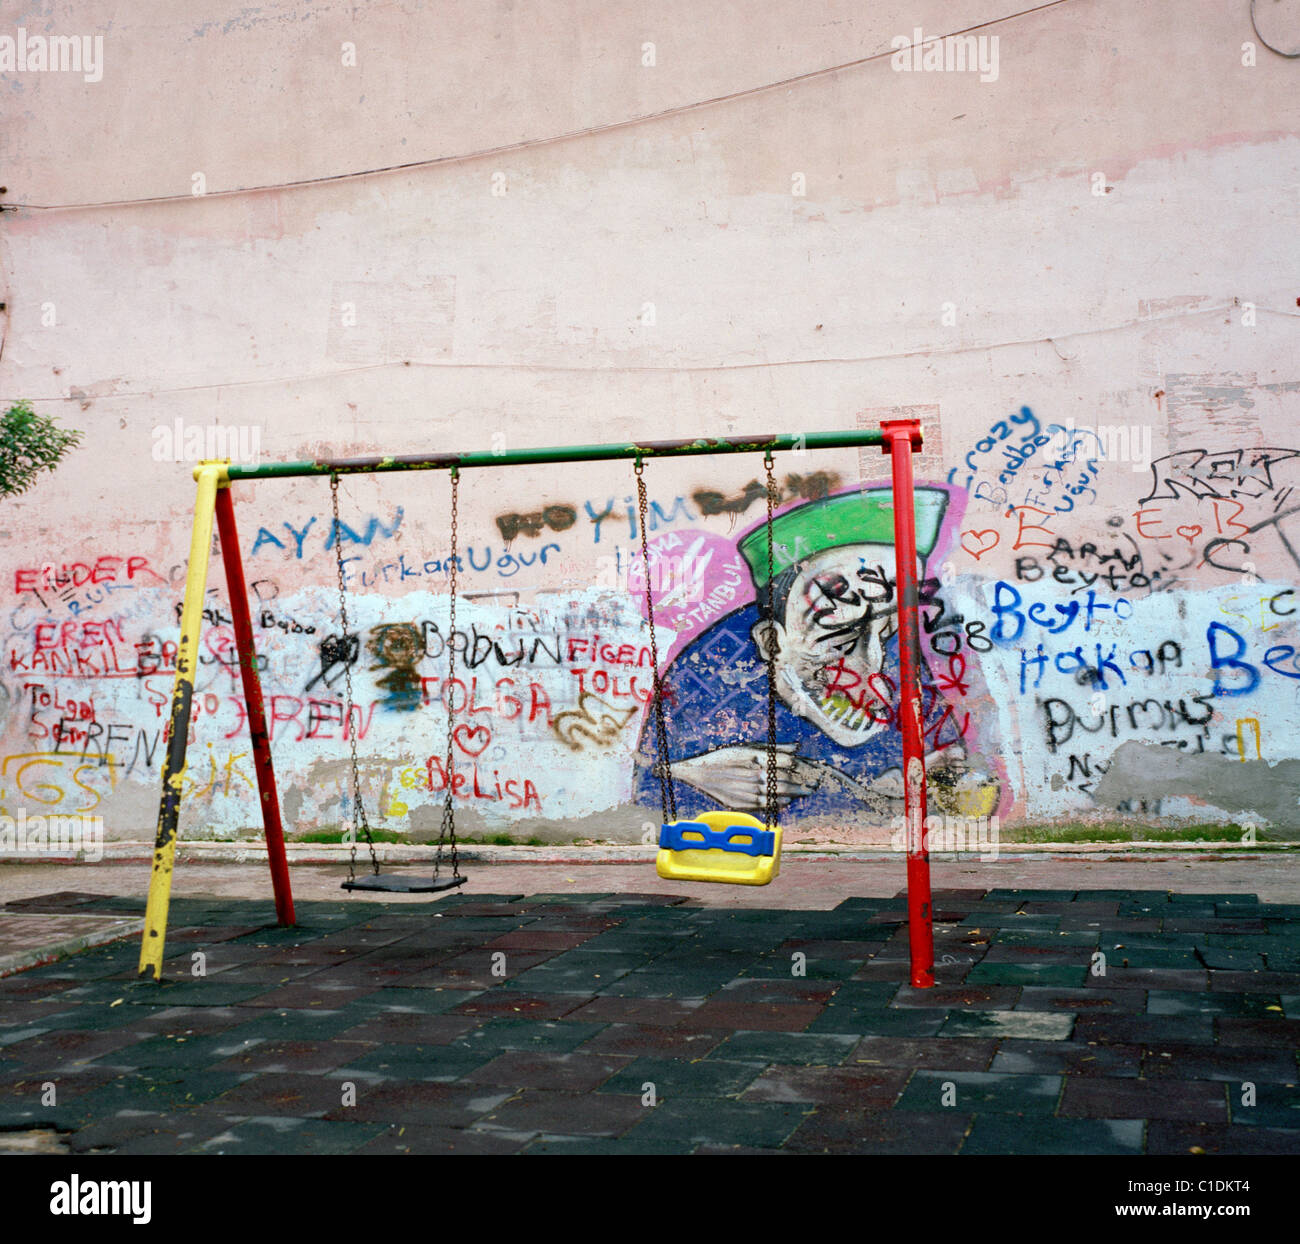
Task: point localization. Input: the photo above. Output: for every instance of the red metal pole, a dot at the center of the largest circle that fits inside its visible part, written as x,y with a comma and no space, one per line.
902,436
243,625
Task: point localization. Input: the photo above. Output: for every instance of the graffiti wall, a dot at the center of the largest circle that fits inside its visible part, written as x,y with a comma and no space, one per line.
530,238
1143,650
1106,633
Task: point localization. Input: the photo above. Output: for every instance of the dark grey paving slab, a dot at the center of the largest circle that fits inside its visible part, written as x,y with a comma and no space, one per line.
641,1024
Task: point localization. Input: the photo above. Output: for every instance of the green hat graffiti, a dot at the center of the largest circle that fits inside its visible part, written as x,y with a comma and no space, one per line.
850,518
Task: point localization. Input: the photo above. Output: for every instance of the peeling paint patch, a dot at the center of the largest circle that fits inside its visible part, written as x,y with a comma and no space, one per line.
1147,771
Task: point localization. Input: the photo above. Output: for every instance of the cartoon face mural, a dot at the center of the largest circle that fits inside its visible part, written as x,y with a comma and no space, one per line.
396,649
833,629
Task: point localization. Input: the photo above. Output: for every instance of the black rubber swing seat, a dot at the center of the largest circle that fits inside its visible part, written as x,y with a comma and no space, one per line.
399,883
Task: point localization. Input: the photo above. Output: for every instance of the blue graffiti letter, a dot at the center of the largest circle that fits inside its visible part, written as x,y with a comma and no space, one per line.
1220,661
1005,600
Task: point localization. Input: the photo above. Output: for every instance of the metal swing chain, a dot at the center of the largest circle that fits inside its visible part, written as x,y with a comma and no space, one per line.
771,649
448,809
358,808
667,797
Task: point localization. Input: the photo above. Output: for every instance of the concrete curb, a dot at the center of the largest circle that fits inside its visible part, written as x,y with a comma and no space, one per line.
107,929
251,852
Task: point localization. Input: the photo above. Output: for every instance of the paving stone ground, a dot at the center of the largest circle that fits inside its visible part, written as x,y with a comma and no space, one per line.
641,1023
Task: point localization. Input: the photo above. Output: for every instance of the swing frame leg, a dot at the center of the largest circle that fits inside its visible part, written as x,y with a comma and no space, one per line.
902,437
209,477
272,826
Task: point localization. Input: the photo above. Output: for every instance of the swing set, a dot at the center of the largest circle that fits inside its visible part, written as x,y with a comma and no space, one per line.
719,846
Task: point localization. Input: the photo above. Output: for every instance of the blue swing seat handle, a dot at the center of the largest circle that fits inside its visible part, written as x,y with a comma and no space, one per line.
673,837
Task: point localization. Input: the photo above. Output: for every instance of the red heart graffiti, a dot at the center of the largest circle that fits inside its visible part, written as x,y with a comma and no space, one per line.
464,736
983,544
1188,533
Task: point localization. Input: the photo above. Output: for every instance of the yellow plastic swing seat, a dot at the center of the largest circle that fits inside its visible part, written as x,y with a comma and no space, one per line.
745,860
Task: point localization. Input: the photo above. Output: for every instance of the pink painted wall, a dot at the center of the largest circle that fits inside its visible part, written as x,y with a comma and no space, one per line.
333,230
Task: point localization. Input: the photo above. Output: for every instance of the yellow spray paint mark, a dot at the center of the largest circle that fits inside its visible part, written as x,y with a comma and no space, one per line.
1242,723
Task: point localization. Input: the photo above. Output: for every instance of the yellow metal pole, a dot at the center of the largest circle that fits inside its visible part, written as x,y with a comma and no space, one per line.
210,476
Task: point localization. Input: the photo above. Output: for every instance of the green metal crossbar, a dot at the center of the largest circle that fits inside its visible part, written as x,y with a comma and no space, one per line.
782,441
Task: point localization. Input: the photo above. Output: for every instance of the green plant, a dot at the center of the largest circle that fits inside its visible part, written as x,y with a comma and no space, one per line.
29,444
336,835
1111,831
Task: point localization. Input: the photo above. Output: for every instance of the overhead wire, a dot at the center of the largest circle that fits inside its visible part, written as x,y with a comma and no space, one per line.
530,143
